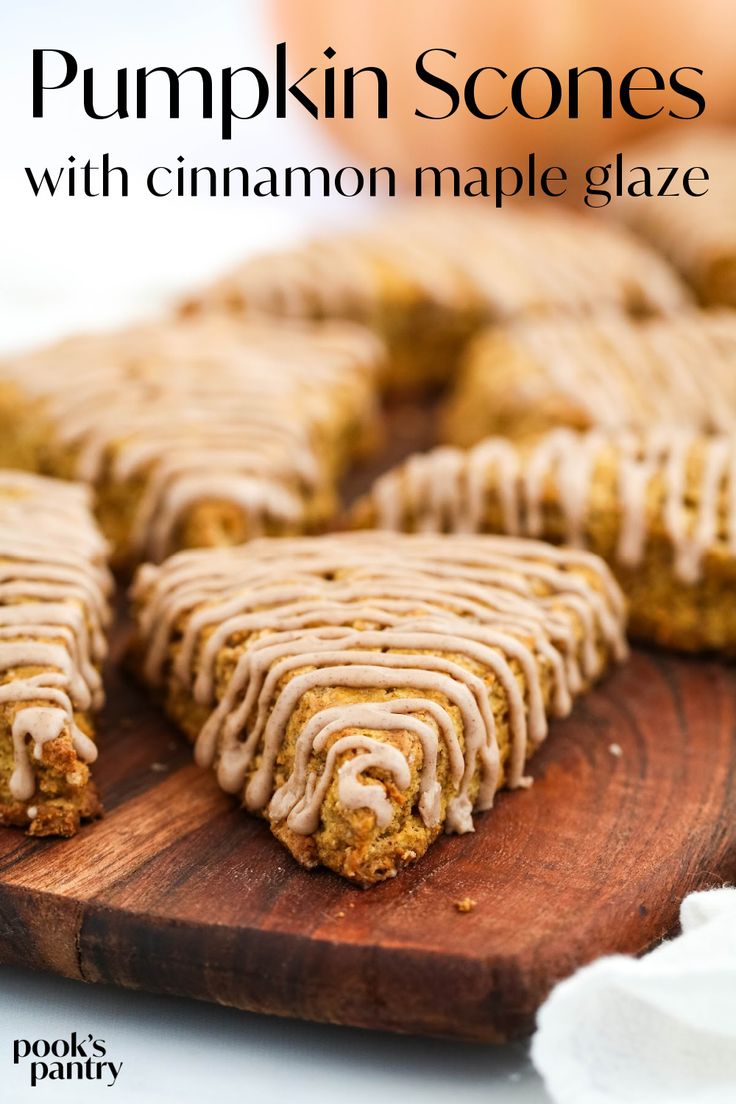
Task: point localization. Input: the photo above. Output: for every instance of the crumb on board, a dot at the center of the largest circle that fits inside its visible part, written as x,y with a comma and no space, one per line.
465,904
616,750
158,767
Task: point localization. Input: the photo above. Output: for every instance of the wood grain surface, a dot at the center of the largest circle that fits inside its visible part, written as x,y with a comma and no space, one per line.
177,891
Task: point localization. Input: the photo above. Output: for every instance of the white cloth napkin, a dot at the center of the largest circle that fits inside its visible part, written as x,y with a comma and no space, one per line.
656,1030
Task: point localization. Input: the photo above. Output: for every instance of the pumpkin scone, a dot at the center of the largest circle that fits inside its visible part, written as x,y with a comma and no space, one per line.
696,233
606,371
53,611
658,506
205,432
426,279
365,691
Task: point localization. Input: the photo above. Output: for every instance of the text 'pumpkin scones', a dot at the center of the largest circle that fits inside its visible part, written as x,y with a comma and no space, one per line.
364,690
196,433
698,234
603,371
660,507
427,278
53,608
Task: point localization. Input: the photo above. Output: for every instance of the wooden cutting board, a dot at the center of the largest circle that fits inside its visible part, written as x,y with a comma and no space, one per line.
177,891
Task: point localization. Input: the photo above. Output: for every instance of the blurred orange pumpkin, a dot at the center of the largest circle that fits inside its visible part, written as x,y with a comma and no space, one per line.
512,35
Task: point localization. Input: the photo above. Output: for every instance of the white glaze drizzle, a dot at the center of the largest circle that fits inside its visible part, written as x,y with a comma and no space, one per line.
695,516
54,587
610,371
207,411
460,260
425,624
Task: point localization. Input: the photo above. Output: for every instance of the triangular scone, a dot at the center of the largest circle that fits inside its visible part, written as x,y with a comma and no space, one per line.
428,277
198,433
698,237
54,588
658,506
363,691
602,371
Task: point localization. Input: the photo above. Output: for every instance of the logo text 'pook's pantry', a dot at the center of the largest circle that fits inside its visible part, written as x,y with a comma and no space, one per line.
71,1059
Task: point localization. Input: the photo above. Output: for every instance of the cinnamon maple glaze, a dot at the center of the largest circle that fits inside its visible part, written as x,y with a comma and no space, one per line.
412,630
53,609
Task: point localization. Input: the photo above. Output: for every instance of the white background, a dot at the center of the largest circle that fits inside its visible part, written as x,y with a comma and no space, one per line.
84,261
71,263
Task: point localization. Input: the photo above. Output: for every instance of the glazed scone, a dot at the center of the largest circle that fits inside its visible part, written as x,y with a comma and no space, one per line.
426,279
659,507
697,234
53,611
204,432
605,371
363,691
